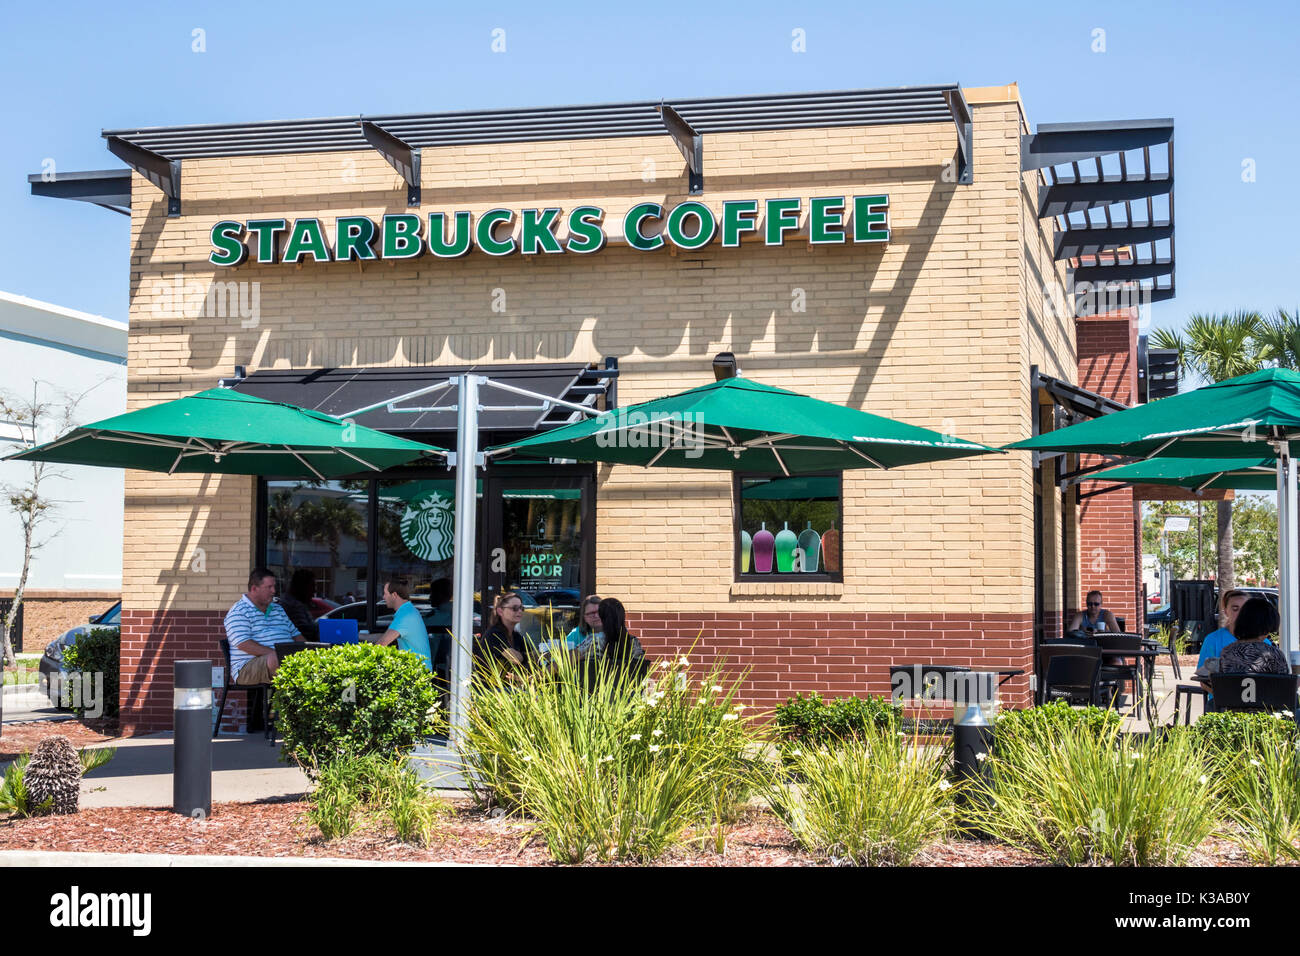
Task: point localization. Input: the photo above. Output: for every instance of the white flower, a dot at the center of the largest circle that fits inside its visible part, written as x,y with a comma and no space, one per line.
656,732
1135,756
664,663
739,707
1204,779
1254,762
684,662
944,785
796,753
1279,716
981,756
728,716
636,736
605,759
717,688
654,748
1287,714
528,758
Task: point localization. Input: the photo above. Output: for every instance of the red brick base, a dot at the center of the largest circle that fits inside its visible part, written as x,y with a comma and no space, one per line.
834,654
152,642
838,654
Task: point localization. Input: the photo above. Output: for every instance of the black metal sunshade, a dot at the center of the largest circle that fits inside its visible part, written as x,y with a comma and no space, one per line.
337,391
1110,188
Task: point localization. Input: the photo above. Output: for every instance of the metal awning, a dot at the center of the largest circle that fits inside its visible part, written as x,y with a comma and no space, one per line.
336,391
110,188
1110,188
157,152
1076,403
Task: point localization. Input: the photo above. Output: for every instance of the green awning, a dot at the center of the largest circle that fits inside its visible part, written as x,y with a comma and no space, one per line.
1230,419
1245,474
220,431
741,425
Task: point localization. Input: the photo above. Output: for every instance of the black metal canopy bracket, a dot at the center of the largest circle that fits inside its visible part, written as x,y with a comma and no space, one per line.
401,156
162,172
1108,224
965,138
691,144
109,188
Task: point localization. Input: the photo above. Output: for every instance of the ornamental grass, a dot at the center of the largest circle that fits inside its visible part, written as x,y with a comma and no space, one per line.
874,799
1255,769
1083,793
608,763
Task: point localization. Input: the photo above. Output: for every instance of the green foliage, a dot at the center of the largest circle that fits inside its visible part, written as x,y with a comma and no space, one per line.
1255,768
13,792
876,798
1072,794
352,700
608,765
371,787
806,721
1241,732
1040,726
96,652
14,798
92,758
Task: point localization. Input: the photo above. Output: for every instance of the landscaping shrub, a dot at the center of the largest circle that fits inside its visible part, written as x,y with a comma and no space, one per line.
1073,795
808,722
352,700
96,652
17,799
1253,765
1236,732
607,764
1042,724
876,798
370,788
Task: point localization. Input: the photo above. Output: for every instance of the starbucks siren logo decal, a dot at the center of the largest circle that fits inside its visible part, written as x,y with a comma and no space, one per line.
427,527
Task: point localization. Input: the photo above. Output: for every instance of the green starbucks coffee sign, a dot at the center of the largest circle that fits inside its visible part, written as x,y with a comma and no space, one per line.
503,232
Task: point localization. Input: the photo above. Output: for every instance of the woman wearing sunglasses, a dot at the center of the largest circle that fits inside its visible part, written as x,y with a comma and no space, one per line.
501,638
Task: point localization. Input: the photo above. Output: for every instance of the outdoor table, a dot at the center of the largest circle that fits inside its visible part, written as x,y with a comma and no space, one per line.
1161,649
1148,656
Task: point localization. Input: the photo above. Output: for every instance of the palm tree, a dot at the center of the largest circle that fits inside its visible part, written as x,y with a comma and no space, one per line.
1217,347
328,521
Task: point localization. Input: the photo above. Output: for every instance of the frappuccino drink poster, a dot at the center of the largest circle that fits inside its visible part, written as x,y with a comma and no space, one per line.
646,227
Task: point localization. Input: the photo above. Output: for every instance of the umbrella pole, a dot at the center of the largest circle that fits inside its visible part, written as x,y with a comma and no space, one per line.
1289,553
463,558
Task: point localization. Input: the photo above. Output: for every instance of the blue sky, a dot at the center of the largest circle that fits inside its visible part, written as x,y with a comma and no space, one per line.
1226,75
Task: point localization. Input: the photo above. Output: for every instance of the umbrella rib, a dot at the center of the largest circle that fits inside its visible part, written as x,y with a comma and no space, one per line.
361,460
659,454
179,456
779,460
862,454
304,463
1199,488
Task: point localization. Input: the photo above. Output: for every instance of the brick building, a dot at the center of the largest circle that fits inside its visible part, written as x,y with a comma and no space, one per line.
963,321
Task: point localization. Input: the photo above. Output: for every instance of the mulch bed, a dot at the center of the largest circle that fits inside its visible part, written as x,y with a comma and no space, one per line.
277,828
18,739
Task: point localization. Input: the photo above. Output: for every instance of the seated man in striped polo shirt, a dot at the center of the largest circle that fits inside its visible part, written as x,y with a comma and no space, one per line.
254,626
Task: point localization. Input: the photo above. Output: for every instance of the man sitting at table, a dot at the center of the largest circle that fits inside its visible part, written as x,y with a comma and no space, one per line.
1095,618
253,627
407,627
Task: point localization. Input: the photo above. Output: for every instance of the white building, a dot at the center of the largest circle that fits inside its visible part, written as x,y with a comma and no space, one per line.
63,354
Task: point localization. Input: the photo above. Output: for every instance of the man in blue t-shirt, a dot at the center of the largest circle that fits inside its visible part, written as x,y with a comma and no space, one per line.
407,627
1214,643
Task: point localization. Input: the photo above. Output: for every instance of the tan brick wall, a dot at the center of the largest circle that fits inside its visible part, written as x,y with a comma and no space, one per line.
50,614
931,329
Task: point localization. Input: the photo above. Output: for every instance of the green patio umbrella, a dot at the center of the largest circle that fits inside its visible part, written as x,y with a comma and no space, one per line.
220,431
1252,417
1196,474
741,425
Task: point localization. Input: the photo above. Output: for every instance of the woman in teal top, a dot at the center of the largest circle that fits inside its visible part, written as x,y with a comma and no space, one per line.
588,628
1229,604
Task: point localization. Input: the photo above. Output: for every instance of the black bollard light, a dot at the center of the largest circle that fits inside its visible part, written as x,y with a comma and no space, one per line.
972,730
192,739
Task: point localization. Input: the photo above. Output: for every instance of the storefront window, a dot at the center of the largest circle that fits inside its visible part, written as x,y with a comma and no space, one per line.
788,526
417,526
319,526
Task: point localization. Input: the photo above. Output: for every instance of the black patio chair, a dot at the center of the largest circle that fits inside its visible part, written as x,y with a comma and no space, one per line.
1050,649
248,688
1259,692
1122,670
1074,677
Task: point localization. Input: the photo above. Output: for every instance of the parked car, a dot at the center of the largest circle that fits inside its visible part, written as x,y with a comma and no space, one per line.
558,597
52,659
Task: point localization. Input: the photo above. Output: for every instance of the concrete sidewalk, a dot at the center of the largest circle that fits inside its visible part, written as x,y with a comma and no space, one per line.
245,768
26,702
